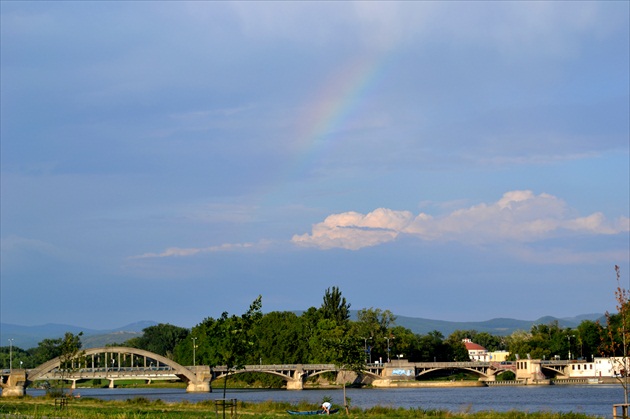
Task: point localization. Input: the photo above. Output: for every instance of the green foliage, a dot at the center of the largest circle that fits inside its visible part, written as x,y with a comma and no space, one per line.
374,326
46,350
334,306
16,356
456,350
279,336
403,343
160,339
431,347
346,352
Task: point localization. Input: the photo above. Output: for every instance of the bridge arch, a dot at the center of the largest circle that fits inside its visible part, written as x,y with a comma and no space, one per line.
289,373
476,371
222,374
179,370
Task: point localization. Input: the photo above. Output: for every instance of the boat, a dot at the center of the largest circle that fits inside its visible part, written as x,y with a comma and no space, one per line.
311,412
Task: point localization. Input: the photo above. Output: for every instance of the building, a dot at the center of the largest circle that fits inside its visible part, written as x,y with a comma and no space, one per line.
476,352
498,356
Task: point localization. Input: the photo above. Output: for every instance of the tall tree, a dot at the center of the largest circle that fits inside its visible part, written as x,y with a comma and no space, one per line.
334,306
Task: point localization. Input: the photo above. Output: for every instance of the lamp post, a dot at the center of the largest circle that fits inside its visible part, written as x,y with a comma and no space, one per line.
388,350
194,339
569,337
366,349
10,355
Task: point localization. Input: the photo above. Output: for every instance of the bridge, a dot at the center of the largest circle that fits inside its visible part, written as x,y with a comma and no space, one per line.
123,363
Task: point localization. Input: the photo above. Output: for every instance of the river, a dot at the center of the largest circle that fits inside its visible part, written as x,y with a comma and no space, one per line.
588,399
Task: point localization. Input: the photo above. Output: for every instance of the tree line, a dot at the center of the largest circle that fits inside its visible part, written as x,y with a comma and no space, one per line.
317,334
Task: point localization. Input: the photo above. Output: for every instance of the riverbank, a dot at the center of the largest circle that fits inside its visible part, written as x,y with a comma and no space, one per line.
139,407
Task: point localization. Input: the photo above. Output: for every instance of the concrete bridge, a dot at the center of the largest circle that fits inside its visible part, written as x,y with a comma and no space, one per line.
122,363
110,363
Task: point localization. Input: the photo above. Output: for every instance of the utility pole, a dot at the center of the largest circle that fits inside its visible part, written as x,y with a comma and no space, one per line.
366,349
10,355
388,350
194,339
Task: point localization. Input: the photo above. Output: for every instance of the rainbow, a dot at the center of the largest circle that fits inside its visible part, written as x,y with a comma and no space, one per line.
327,114
323,118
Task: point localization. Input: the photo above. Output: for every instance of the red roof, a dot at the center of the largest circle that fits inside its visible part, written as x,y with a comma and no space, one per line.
472,346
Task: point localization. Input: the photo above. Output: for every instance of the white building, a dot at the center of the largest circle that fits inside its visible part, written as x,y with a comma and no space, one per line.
476,352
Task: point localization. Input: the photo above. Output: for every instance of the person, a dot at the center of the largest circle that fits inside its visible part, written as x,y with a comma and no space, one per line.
326,406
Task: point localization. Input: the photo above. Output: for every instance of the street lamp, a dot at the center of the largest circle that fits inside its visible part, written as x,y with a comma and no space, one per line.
388,350
569,337
194,339
366,349
11,355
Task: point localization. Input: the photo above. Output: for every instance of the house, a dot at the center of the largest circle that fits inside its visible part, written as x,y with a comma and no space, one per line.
476,352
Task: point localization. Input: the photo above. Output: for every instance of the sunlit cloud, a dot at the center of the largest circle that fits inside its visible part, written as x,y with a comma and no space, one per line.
192,251
519,216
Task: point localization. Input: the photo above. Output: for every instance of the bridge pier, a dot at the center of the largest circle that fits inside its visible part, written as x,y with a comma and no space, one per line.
15,385
198,387
296,384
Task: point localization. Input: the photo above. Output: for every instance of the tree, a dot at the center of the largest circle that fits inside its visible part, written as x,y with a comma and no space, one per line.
548,340
518,344
348,355
70,355
589,339
457,350
235,337
431,347
373,326
280,335
403,343
160,339
334,306
617,336
46,350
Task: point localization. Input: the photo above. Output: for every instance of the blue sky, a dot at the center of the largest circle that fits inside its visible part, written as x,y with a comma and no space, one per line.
169,161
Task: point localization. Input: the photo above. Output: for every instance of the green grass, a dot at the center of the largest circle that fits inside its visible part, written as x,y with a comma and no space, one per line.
141,407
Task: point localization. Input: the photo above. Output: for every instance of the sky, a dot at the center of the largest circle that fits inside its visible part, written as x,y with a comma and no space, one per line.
169,161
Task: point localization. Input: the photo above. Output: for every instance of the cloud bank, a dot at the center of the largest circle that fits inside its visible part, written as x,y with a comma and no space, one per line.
519,216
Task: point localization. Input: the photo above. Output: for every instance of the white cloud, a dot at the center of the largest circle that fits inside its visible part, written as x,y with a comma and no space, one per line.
519,216
191,251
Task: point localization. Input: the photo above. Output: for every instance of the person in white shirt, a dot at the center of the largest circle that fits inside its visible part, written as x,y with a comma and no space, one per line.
326,406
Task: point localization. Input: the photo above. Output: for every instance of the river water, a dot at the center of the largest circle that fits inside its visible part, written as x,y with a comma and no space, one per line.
589,399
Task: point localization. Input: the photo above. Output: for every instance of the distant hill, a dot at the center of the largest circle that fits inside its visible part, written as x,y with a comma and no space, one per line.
27,337
498,326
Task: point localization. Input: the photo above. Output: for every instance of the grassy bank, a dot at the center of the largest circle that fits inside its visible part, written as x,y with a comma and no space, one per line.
136,408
